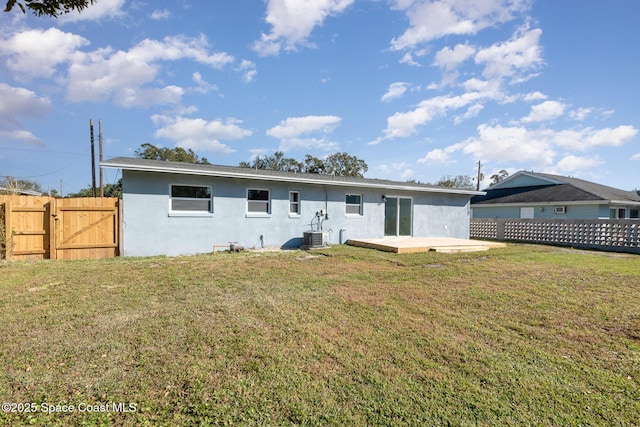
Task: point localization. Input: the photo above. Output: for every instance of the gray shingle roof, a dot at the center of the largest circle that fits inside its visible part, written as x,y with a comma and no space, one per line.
602,191
559,189
129,163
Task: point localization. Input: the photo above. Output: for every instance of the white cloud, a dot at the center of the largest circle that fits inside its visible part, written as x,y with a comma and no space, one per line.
290,132
402,125
202,86
635,156
570,164
104,73
514,58
450,59
17,104
471,112
199,134
128,77
36,53
490,89
407,58
589,138
293,127
395,90
102,9
439,155
504,144
146,97
399,169
292,22
248,68
20,102
536,147
407,174
580,114
21,135
160,15
535,96
430,20
547,110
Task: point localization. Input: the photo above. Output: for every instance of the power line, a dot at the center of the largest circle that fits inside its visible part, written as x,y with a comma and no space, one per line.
42,151
45,174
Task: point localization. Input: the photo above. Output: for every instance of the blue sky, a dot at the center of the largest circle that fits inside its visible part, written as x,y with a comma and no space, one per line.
419,89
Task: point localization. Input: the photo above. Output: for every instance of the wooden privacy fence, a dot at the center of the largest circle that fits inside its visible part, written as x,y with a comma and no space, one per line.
41,227
616,235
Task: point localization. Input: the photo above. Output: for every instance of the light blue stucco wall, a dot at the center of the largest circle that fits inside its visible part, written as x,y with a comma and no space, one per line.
543,211
522,181
148,228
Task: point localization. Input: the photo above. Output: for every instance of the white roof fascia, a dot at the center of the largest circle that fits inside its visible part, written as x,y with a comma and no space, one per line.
624,202
224,174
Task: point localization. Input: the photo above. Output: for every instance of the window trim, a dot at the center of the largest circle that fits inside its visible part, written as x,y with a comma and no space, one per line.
259,213
298,212
191,213
360,206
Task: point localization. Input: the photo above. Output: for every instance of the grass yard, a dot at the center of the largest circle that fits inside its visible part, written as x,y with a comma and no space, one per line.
526,335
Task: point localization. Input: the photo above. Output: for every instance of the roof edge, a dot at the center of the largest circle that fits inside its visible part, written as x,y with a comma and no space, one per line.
113,163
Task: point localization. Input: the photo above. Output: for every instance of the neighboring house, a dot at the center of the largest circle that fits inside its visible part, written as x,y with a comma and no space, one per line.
20,191
180,208
545,196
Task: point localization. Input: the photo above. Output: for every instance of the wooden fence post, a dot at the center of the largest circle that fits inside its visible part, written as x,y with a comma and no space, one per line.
8,229
53,228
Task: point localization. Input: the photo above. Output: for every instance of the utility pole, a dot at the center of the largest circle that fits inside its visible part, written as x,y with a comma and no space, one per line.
479,176
93,160
100,151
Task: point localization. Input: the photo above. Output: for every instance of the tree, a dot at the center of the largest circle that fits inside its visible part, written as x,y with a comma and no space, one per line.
313,164
277,162
16,185
340,164
343,164
498,177
52,8
461,182
109,190
178,154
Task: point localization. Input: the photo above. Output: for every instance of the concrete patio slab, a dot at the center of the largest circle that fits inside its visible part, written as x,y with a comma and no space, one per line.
402,245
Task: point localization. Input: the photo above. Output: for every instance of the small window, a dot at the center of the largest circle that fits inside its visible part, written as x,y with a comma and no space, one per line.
560,210
633,213
353,204
617,213
294,203
191,199
258,201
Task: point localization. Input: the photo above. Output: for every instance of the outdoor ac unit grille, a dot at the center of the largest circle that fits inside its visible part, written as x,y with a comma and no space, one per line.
313,239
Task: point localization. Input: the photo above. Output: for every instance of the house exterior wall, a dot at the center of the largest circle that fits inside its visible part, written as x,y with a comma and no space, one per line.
546,211
150,229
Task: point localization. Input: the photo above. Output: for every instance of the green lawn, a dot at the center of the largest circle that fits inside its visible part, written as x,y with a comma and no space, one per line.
526,335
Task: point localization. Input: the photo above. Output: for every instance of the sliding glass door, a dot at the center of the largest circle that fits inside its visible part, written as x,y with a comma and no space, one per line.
397,216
